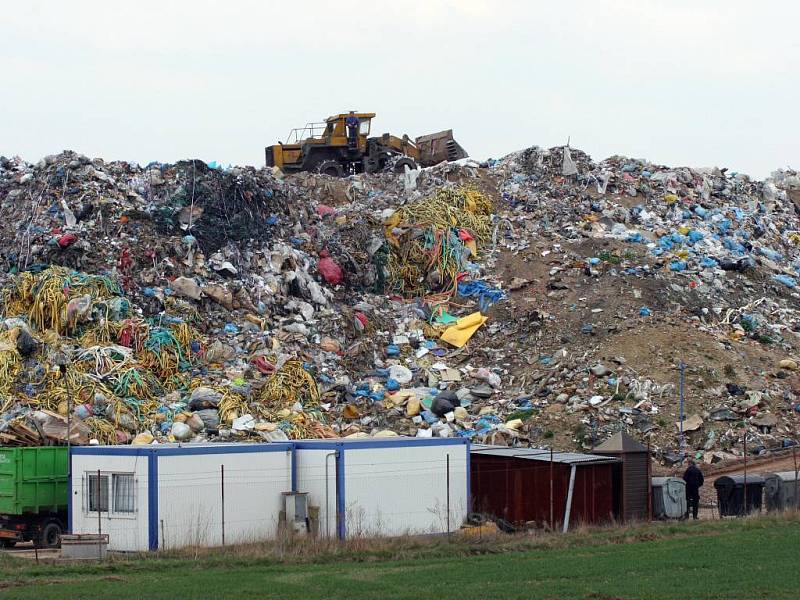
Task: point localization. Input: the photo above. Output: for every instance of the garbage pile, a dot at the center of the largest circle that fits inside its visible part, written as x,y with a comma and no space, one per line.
541,299
660,266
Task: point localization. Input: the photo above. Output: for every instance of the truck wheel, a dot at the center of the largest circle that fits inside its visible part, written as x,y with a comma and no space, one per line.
330,167
399,166
50,535
8,543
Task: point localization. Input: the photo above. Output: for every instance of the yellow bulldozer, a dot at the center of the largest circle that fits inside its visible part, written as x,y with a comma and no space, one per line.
341,146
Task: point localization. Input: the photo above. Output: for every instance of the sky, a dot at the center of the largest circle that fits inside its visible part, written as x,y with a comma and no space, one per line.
679,82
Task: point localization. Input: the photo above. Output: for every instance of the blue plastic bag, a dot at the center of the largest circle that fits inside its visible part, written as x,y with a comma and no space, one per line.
677,265
486,294
785,280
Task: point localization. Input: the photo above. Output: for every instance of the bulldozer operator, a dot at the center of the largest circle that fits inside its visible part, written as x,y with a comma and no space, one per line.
352,124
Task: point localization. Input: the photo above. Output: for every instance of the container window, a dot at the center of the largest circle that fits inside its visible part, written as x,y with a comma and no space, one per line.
93,488
124,492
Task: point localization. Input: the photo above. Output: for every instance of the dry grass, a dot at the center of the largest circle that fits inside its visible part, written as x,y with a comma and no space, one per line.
625,562
302,551
295,550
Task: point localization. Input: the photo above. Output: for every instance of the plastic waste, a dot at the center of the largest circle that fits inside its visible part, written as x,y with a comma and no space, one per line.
677,265
329,269
400,374
392,385
459,334
181,431
785,280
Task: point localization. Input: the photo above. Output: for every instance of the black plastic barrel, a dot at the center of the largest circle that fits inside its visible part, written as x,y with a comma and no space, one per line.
731,494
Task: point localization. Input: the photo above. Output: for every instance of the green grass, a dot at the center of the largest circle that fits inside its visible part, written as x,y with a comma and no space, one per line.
745,559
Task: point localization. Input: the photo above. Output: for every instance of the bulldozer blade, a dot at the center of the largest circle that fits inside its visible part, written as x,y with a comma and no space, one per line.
439,147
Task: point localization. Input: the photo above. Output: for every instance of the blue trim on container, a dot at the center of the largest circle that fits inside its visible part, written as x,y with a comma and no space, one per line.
385,443
242,449
341,503
69,491
180,450
294,468
111,450
168,450
152,501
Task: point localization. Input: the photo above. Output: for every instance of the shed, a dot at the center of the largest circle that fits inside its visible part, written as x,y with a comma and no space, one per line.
632,477
523,485
669,497
781,490
177,495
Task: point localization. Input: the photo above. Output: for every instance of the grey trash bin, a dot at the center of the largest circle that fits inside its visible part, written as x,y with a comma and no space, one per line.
781,490
669,497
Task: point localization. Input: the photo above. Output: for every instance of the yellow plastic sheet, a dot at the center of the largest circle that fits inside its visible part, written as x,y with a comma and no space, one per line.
459,334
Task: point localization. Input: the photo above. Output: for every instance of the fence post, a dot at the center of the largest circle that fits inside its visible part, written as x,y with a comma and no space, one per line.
682,368
222,490
650,483
552,511
794,458
99,519
448,494
745,468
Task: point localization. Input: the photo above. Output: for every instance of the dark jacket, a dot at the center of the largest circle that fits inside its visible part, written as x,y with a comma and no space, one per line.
693,478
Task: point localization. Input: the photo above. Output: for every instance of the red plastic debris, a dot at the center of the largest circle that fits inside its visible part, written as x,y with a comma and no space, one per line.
125,261
263,365
66,240
329,269
323,210
464,235
361,321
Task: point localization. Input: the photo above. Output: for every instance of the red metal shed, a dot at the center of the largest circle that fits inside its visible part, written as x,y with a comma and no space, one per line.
524,484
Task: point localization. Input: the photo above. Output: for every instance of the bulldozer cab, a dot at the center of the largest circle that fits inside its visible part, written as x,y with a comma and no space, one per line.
336,134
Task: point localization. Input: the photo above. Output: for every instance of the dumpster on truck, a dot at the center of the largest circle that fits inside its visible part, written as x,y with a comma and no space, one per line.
33,495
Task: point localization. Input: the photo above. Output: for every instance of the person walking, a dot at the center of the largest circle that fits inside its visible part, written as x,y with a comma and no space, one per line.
694,481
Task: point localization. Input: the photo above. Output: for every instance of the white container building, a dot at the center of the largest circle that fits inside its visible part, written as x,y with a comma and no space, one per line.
390,486
173,495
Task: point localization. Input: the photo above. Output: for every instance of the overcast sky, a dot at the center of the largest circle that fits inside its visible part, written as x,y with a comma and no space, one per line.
681,82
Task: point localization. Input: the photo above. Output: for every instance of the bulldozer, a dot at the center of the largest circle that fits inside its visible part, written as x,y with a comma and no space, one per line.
331,148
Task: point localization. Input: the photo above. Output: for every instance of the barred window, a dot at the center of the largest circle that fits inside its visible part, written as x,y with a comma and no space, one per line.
96,504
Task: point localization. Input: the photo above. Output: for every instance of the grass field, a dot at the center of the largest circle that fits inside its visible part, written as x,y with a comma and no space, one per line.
747,559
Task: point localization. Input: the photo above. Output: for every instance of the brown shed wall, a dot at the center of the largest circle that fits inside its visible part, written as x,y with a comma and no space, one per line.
518,490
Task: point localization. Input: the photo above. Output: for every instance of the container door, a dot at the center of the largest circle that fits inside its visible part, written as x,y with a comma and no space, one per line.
8,478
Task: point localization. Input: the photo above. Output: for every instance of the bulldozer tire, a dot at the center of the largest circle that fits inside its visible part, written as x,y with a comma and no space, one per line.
399,166
330,167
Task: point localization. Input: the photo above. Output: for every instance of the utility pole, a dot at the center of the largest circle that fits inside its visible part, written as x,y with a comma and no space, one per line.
682,368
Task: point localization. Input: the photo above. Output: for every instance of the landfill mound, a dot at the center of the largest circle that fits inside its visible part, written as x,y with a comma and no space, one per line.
540,299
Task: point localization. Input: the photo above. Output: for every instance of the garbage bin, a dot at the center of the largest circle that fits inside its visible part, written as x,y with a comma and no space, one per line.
669,497
781,490
731,494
